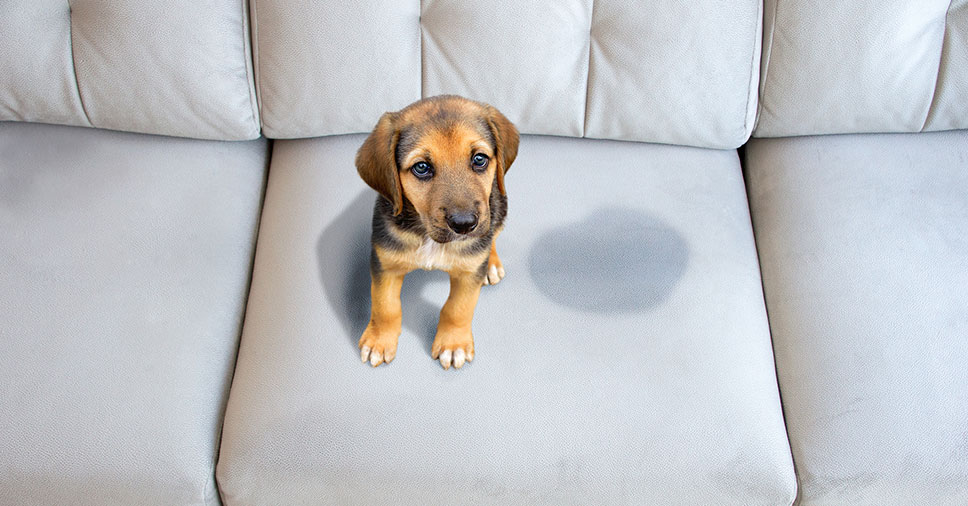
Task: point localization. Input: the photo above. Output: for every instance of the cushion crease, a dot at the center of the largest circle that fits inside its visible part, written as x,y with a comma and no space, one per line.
77,82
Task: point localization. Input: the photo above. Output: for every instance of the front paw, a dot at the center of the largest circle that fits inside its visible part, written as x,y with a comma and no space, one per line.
453,346
495,270
378,346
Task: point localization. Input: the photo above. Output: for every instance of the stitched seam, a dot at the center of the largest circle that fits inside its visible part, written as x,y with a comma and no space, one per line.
937,78
248,50
757,33
77,83
257,63
588,70
768,54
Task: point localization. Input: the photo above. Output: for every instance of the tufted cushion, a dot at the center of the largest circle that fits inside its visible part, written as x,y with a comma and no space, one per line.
854,67
129,65
320,71
674,72
648,71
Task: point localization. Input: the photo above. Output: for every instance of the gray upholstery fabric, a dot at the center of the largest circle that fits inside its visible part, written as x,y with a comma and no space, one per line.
625,358
155,67
865,265
674,72
949,109
313,57
663,71
124,263
863,67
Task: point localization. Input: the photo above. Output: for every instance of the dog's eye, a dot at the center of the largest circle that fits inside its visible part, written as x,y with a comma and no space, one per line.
422,170
480,161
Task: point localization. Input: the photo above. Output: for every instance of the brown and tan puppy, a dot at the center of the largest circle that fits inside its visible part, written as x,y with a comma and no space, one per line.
439,167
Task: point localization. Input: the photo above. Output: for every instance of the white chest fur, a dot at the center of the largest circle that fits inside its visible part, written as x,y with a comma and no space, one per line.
432,255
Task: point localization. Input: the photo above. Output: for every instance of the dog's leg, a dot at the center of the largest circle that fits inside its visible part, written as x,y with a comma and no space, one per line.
454,343
379,341
495,269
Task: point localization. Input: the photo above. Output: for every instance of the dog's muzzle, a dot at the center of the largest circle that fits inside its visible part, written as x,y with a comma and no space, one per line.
462,222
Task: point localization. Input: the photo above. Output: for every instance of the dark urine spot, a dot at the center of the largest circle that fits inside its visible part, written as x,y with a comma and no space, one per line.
617,260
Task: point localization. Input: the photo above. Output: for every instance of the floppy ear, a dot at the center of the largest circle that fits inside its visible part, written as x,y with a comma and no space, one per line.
505,143
376,161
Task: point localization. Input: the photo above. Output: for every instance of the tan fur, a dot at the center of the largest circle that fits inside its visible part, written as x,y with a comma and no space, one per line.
450,131
453,182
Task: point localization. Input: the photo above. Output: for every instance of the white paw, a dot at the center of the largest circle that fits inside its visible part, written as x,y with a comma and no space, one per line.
456,358
494,275
378,354
374,357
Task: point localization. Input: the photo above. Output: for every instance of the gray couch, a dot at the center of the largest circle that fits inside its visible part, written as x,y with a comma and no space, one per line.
730,307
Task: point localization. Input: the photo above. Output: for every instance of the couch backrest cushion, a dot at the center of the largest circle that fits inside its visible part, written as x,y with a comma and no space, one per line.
868,66
172,68
659,70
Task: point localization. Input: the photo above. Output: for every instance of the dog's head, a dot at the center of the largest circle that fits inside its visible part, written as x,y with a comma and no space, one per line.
444,155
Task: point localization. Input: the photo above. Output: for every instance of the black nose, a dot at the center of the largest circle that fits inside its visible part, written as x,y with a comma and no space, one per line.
462,222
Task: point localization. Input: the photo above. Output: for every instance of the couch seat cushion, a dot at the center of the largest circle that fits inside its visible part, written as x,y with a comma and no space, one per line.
626,356
124,265
865,266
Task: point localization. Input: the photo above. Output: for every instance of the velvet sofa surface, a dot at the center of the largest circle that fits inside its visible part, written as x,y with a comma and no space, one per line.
625,358
130,65
659,71
862,244
865,269
124,264
863,67
168,337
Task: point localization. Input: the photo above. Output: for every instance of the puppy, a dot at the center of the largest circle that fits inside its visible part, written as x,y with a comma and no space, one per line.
439,167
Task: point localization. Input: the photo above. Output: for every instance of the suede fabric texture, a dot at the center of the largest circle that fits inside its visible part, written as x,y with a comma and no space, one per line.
124,263
130,65
865,268
661,72
625,358
863,67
